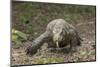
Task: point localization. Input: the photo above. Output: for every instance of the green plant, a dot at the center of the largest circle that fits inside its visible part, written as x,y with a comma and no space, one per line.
43,60
18,36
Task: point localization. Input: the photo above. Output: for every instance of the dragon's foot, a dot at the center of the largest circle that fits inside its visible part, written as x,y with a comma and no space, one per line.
30,51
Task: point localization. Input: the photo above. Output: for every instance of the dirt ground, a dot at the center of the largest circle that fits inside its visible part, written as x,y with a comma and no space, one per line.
86,52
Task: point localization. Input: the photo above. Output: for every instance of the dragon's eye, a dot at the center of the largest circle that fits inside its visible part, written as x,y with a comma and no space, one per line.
54,32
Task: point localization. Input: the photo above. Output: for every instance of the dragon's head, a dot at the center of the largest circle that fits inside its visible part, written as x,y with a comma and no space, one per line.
58,35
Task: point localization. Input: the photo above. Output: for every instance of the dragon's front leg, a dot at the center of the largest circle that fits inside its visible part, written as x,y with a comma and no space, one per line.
37,43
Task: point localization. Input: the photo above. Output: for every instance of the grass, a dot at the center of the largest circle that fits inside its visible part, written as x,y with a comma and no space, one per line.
31,17
42,60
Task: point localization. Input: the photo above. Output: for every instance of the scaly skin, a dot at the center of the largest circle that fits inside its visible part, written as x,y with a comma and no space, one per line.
59,31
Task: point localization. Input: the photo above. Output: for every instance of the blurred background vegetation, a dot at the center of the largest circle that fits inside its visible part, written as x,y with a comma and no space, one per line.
30,18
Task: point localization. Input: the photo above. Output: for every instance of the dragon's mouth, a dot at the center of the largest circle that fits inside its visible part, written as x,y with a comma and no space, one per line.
57,44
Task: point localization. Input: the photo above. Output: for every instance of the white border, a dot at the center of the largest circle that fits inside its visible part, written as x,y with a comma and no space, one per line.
5,33
83,2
